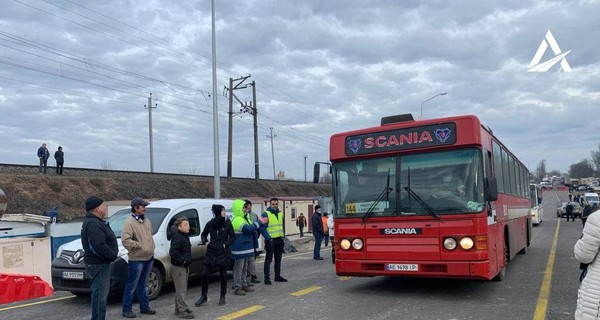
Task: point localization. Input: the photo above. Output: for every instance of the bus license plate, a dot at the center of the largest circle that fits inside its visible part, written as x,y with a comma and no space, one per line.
72,275
402,267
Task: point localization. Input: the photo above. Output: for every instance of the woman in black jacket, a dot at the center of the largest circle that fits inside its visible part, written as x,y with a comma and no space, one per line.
217,252
181,257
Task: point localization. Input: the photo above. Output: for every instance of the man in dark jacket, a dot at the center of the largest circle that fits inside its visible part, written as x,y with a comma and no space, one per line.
217,252
181,257
587,210
59,156
43,154
100,249
317,230
569,211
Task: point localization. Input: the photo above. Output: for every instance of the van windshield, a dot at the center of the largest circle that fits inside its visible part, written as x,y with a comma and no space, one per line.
156,216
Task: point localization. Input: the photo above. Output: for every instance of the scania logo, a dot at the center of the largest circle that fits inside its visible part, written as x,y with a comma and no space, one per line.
389,231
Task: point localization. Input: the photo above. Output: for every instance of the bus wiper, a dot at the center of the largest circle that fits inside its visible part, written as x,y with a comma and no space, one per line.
384,194
420,201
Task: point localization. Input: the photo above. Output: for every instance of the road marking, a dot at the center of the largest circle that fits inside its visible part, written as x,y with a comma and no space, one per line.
241,313
305,291
542,302
36,303
344,278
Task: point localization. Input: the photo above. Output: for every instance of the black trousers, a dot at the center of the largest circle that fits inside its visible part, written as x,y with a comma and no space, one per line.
222,275
59,167
274,248
301,232
570,216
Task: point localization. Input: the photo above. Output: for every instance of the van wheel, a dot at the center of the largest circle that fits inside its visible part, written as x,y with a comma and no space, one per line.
156,280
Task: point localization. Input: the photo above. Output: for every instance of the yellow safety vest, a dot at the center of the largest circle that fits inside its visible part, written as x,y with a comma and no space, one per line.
275,227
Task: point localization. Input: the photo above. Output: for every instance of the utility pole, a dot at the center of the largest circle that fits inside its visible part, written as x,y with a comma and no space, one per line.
305,167
150,107
217,174
271,136
255,120
230,131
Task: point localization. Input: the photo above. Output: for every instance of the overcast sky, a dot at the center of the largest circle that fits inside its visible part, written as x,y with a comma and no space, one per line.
78,73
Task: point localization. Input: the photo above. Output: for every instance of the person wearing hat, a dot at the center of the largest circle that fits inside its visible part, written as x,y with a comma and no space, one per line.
217,252
100,249
137,239
317,230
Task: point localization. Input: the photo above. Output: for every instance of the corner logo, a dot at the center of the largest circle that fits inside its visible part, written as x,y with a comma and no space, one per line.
536,66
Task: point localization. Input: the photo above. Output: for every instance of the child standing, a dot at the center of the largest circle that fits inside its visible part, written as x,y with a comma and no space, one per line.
181,257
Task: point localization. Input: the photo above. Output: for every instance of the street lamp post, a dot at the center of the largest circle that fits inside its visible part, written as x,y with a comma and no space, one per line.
437,95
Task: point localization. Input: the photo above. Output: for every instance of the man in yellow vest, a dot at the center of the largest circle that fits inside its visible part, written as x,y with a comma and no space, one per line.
274,241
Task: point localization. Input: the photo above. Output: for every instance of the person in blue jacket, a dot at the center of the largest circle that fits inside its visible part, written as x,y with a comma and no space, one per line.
243,247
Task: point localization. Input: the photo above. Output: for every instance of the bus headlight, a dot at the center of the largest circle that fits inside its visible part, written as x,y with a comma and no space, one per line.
357,244
345,244
450,244
466,243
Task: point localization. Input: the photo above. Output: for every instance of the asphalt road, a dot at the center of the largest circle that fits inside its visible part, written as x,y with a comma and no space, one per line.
542,284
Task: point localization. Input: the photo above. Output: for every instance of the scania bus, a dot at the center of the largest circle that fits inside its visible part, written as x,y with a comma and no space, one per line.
428,198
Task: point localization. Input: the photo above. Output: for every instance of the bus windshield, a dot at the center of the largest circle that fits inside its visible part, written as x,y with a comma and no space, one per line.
445,182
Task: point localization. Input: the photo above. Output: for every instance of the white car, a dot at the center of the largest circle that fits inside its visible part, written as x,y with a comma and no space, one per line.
68,269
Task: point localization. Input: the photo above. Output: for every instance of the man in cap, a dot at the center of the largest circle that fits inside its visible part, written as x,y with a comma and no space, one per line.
100,249
137,239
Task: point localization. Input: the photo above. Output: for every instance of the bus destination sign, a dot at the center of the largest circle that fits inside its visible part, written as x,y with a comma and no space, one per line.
401,139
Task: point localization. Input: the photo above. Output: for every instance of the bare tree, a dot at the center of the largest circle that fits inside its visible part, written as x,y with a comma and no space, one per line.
582,169
596,161
325,178
105,165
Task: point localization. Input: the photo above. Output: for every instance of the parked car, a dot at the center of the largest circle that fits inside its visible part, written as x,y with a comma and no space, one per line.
68,269
577,210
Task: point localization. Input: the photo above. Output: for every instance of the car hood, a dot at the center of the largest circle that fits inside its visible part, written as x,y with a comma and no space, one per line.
76,245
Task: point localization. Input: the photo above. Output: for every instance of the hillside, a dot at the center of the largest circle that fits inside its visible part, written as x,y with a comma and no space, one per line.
34,193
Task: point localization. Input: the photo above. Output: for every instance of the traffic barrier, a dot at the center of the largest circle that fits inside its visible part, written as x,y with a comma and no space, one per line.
17,287
562,188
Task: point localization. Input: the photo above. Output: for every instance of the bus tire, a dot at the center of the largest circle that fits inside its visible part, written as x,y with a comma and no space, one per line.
501,275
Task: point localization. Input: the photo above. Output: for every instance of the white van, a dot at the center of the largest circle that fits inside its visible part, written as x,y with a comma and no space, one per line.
591,198
68,269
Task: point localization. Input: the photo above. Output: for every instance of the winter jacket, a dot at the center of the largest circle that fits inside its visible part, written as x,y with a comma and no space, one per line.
586,251
43,153
245,232
181,249
317,224
221,238
136,237
59,156
98,240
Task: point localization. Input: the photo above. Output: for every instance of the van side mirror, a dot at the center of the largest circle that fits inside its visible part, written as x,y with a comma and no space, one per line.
316,172
490,189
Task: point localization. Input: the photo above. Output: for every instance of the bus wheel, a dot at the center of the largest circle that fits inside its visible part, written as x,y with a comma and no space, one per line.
501,275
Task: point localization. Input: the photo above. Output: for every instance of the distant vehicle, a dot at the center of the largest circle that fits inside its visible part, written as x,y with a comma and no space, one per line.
591,198
545,185
537,211
68,269
577,210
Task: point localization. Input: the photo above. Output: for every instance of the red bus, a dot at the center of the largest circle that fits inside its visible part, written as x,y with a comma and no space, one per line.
428,198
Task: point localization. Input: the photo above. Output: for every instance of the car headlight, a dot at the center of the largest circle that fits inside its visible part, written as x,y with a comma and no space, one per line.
59,251
345,244
466,243
450,244
357,244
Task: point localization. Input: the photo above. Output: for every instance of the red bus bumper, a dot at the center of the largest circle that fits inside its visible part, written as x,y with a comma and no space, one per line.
428,269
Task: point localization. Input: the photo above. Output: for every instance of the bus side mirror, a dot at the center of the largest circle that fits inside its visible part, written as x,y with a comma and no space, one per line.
316,172
491,189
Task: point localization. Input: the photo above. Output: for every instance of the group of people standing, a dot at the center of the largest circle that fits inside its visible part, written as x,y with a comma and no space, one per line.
224,239
43,155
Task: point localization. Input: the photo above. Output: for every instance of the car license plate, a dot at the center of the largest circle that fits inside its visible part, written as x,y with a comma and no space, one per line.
402,267
72,275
